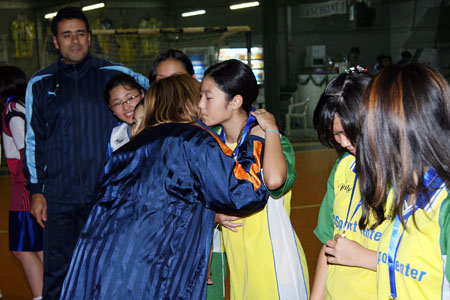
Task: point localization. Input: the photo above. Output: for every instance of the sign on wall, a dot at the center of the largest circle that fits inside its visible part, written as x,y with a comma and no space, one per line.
322,9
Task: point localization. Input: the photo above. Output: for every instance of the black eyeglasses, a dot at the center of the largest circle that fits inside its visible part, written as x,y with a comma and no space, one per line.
128,101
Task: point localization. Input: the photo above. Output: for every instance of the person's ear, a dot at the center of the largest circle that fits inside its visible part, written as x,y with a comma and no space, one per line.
236,102
55,42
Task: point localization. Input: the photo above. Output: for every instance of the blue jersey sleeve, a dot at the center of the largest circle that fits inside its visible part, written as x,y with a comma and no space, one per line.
141,79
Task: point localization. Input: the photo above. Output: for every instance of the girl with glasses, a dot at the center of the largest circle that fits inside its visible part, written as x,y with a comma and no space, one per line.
122,94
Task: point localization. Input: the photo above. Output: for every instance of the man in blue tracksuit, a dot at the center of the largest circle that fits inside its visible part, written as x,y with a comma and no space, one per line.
68,128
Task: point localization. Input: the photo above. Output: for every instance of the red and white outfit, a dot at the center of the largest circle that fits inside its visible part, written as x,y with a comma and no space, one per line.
24,233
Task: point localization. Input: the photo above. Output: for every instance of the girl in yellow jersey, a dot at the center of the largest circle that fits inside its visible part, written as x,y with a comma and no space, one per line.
265,257
406,166
347,261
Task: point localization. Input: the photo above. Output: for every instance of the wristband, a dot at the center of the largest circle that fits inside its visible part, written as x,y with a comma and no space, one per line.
271,130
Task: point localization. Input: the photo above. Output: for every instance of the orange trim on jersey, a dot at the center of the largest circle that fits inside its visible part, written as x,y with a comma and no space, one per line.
225,148
239,171
252,176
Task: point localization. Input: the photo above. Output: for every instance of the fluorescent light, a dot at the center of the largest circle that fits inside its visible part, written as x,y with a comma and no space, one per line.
93,6
85,8
50,15
193,13
244,5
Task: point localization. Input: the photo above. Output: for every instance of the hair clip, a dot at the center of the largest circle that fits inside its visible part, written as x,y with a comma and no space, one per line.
357,69
9,99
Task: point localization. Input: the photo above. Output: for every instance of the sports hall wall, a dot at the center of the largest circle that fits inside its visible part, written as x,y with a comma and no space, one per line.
395,26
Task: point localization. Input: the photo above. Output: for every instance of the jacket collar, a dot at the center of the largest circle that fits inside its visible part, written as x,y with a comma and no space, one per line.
78,67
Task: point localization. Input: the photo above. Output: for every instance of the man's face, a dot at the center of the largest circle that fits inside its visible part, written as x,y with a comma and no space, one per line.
72,40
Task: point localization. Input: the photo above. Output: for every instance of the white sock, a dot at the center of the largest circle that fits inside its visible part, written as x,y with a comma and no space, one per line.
38,298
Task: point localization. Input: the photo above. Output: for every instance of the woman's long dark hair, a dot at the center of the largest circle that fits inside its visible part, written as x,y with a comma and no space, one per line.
13,82
405,120
342,96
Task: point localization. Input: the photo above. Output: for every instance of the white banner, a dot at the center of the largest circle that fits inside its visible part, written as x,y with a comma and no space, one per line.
322,9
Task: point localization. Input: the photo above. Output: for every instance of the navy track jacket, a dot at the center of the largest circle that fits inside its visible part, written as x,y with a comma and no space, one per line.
149,233
68,126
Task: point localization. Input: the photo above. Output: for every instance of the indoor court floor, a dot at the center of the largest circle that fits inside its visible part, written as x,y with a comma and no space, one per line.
313,168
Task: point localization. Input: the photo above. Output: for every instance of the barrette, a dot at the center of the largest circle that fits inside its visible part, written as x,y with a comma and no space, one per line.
358,69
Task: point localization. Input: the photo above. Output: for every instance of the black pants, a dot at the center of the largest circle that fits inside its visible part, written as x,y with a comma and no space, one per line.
64,224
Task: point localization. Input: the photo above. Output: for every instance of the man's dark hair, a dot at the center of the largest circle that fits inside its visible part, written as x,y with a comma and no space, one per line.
68,13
